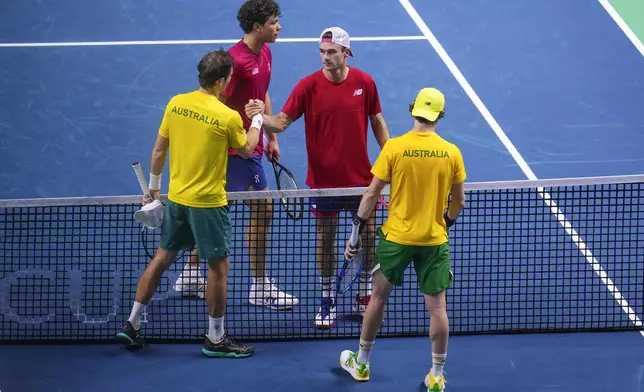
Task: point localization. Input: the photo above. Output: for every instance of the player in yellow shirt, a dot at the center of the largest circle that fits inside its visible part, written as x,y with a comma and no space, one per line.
422,170
198,130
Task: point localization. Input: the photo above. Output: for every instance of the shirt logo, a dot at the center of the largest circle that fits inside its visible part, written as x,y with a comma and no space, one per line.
357,92
255,71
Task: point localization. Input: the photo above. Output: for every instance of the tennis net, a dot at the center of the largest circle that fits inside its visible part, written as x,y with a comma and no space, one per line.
528,256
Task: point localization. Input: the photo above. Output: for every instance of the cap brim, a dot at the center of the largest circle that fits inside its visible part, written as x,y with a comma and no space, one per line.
426,114
330,41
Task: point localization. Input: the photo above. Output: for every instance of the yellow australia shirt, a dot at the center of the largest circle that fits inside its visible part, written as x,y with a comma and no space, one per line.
200,129
421,168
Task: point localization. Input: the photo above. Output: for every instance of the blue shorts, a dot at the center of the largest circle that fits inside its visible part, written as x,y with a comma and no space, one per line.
245,174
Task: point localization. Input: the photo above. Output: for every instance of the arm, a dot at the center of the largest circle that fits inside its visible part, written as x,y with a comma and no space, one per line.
276,124
272,123
268,105
159,152
370,198
367,204
268,109
378,125
252,138
457,202
295,106
380,130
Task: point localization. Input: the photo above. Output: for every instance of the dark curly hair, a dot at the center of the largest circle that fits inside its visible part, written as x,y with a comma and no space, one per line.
213,67
256,11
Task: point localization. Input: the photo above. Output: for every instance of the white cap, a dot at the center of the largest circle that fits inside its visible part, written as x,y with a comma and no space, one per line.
338,36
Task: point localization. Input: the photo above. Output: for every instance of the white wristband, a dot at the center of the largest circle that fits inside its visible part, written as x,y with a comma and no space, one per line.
257,122
155,182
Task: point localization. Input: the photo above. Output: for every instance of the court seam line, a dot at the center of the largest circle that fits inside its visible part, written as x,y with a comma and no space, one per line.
576,238
194,42
621,23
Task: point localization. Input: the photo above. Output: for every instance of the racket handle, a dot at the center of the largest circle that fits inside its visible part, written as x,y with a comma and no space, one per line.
141,179
355,230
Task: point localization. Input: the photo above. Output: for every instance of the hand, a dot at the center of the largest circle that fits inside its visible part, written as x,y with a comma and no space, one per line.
349,251
273,150
254,107
155,196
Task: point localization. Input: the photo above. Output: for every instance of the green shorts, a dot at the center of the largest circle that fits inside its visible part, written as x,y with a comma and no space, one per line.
208,228
432,264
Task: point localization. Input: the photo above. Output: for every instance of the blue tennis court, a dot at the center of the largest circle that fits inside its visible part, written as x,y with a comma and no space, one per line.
534,90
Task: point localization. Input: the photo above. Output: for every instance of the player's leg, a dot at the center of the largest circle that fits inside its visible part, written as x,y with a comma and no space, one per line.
191,283
175,235
212,233
263,291
391,261
325,210
432,264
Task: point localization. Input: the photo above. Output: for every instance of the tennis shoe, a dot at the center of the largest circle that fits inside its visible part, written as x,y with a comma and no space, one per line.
191,284
435,383
269,295
130,337
360,371
226,347
326,316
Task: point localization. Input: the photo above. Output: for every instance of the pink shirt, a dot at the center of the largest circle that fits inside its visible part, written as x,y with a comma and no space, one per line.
250,80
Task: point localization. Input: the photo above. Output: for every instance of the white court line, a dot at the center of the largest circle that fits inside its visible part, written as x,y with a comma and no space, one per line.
622,25
193,42
521,162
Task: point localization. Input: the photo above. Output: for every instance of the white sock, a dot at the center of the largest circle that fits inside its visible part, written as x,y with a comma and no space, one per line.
327,287
438,361
364,283
365,350
216,328
135,315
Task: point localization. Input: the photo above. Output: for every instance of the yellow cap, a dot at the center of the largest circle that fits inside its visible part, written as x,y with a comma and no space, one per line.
429,104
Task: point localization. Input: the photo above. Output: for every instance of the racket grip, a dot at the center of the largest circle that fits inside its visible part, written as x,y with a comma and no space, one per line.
136,166
355,230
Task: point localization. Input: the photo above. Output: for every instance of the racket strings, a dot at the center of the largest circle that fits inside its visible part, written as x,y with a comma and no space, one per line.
293,205
150,250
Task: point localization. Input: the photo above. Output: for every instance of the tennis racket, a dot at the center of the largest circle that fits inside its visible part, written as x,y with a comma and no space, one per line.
147,237
351,268
286,181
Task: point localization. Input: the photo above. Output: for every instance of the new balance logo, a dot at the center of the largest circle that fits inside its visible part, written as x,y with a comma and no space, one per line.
357,92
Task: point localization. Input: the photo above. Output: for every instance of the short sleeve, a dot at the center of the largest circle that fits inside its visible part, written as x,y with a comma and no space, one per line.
236,133
373,104
382,167
296,103
164,128
459,168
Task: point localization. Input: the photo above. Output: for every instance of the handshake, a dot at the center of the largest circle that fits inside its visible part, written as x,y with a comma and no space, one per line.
254,107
